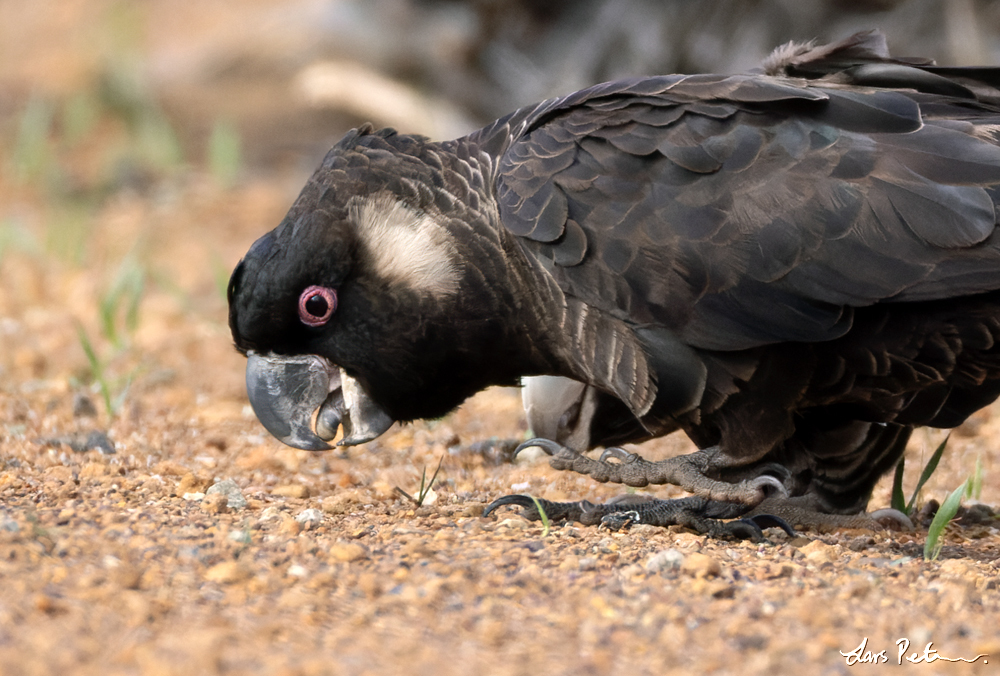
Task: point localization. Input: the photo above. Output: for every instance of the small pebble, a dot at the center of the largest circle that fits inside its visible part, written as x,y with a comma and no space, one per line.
873,561
269,513
289,526
291,491
701,565
240,536
667,559
83,406
348,551
958,568
370,585
515,524
214,503
976,513
606,546
231,491
717,589
529,456
94,470
81,443
99,441
860,543
189,483
227,572
818,552
309,518
776,571
569,562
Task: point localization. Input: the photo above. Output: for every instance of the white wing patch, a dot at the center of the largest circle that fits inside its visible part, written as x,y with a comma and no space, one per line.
405,246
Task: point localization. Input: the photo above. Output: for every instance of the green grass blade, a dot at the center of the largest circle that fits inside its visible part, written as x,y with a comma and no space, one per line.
947,512
157,142
96,367
79,116
32,155
88,350
107,310
422,491
542,515
225,153
136,288
118,402
126,292
898,500
15,237
976,489
929,469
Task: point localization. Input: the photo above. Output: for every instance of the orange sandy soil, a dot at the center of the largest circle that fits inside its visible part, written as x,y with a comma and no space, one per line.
115,564
119,564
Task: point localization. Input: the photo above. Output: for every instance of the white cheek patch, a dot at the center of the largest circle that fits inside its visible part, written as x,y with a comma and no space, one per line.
402,245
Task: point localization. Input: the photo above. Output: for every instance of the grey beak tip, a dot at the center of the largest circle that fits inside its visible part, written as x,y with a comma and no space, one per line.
286,391
315,444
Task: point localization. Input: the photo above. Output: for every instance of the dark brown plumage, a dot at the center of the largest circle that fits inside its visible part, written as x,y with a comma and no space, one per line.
794,267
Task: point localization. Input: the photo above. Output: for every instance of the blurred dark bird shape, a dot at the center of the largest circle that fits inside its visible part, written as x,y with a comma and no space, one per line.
795,267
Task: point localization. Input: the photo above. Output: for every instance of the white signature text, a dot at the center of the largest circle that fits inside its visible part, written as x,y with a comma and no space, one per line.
861,655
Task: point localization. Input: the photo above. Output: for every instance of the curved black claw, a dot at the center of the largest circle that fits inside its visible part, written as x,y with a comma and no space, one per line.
554,511
770,486
547,445
519,500
619,454
741,529
777,470
770,521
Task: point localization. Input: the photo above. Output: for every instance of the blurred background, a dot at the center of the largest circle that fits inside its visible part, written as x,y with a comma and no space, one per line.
145,144
113,95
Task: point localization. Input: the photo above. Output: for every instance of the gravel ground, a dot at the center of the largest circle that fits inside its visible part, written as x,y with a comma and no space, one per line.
160,530
130,562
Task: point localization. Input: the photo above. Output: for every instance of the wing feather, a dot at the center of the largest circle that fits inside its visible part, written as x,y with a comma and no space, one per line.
737,211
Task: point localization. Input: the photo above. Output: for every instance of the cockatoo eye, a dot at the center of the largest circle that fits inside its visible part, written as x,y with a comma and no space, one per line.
316,305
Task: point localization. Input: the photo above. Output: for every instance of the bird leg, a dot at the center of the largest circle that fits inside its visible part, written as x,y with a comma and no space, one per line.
698,514
690,472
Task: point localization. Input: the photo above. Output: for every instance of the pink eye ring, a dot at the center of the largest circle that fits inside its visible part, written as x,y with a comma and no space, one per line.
316,305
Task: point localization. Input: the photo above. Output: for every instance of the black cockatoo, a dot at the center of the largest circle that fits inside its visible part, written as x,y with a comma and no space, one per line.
795,267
